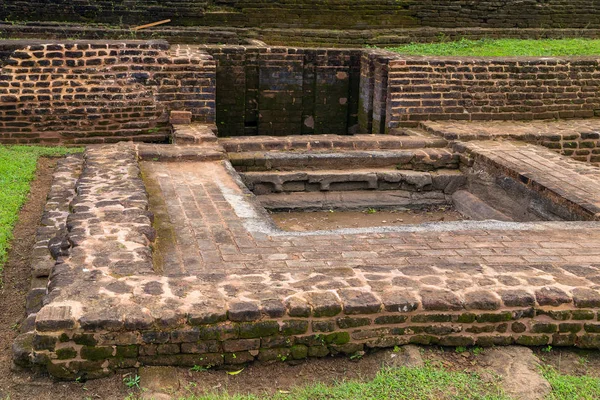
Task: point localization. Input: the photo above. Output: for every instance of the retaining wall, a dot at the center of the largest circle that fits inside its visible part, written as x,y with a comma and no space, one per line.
338,14
84,92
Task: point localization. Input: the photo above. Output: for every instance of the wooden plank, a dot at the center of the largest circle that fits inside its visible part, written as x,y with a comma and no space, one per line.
165,21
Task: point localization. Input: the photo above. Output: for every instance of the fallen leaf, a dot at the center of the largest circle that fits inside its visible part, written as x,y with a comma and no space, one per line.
235,372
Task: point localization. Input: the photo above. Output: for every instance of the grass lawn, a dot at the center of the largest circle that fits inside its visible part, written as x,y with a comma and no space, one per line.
403,383
504,48
565,387
17,170
423,383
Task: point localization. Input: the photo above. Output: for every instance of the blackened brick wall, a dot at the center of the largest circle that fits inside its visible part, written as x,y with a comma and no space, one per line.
286,91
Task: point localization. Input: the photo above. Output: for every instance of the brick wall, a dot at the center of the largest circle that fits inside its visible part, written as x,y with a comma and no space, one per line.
420,88
338,14
286,91
84,92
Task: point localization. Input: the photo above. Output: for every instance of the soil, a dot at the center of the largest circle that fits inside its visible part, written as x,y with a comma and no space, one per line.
326,220
257,378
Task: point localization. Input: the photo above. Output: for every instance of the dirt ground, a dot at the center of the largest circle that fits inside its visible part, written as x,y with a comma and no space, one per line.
326,220
258,378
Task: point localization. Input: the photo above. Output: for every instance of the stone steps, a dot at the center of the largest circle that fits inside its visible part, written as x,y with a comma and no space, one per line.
411,159
353,200
330,142
265,182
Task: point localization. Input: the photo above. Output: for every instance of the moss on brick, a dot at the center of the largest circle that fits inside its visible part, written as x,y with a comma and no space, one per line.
582,315
294,327
423,318
96,353
63,338
466,318
424,339
323,326
489,317
544,328
318,351
66,353
299,351
252,330
352,322
527,340
85,339
390,319
60,371
481,329
337,338
130,351
570,327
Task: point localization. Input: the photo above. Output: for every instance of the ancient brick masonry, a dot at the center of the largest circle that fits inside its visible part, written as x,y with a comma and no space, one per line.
316,14
92,92
412,89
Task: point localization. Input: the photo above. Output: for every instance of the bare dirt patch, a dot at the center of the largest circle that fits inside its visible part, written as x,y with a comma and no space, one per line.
326,220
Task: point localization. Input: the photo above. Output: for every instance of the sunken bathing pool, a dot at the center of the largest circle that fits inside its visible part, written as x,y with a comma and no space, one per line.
169,254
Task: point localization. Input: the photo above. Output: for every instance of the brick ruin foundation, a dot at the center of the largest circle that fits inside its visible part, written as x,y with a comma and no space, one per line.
164,254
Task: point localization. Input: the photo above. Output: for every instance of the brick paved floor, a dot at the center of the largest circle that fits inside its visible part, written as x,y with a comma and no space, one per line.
217,234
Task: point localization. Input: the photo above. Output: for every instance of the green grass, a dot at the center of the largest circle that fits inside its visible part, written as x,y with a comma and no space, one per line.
504,48
17,170
391,383
568,387
423,383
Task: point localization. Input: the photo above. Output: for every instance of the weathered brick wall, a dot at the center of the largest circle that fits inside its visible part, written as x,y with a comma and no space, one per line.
491,89
286,91
302,37
82,92
336,14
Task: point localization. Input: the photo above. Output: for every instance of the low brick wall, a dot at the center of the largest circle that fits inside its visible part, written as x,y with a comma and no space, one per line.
404,90
89,92
299,331
285,91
